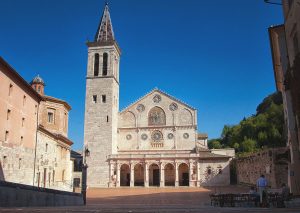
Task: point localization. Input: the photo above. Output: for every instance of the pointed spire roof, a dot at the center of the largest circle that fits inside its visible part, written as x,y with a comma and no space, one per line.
105,31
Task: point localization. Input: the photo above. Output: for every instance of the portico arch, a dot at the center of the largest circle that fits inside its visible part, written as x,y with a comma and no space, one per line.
138,175
169,175
125,175
154,175
183,174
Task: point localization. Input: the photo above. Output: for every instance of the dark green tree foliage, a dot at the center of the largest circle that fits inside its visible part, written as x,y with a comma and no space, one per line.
264,129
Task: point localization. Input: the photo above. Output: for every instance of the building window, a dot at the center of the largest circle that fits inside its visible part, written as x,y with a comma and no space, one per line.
53,176
21,139
95,99
6,135
63,175
107,119
8,114
104,68
46,148
20,162
96,65
24,100
50,117
23,122
39,89
103,98
76,182
296,44
4,161
209,170
10,89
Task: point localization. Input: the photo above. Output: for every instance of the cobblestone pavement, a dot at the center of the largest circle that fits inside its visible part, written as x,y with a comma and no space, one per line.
152,200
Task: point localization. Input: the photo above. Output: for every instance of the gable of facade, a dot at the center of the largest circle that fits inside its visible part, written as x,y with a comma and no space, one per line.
157,121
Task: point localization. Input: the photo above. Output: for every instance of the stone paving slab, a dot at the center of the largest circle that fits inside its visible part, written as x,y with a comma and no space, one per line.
157,200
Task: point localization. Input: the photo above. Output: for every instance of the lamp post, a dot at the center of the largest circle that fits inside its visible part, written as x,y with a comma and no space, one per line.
84,174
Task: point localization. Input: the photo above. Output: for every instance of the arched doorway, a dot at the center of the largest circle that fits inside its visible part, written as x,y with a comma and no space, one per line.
138,175
154,176
124,175
169,175
183,174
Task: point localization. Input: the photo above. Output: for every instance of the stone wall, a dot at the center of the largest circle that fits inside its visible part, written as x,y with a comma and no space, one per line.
270,162
18,195
53,164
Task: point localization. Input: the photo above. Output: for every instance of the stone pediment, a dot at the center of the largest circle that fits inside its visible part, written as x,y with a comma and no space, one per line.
156,95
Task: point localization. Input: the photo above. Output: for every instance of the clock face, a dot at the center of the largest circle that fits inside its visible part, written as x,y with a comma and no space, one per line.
156,136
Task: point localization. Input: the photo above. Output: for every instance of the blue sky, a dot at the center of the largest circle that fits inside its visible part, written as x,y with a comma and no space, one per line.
213,55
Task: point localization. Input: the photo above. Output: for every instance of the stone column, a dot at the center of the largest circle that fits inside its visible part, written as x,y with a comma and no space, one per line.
198,174
110,183
118,175
162,175
176,175
131,175
191,182
146,177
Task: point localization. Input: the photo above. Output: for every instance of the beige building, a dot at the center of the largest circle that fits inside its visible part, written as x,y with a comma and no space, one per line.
286,64
152,142
53,162
34,144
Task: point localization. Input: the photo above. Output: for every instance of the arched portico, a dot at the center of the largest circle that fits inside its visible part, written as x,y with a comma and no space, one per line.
125,175
170,175
138,175
154,175
183,174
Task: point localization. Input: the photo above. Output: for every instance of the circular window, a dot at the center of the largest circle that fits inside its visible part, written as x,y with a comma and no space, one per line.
186,135
156,136
144,137
170,136
173,106
140,108
156,98
128,137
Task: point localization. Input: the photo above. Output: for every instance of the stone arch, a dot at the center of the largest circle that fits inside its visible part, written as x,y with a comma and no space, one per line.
138,175
128,119
124,175
170,174
154,175
185,117
183,174
156,117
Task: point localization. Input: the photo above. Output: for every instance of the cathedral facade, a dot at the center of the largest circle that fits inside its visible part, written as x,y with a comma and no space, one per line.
152,142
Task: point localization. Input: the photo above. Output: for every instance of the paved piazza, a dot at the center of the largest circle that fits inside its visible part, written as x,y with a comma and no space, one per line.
183,199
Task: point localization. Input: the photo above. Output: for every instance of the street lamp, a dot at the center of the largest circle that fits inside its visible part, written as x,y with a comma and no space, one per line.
84,174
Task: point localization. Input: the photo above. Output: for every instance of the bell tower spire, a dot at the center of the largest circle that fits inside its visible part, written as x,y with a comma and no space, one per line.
105,31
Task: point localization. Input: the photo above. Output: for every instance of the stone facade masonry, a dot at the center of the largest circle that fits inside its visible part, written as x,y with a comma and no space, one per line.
273,163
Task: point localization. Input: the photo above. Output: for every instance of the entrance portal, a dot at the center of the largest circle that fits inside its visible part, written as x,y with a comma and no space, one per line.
183,175
138,175
169,175
125,175
154,179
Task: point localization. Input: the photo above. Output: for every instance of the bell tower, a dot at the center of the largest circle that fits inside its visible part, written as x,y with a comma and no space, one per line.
101,102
